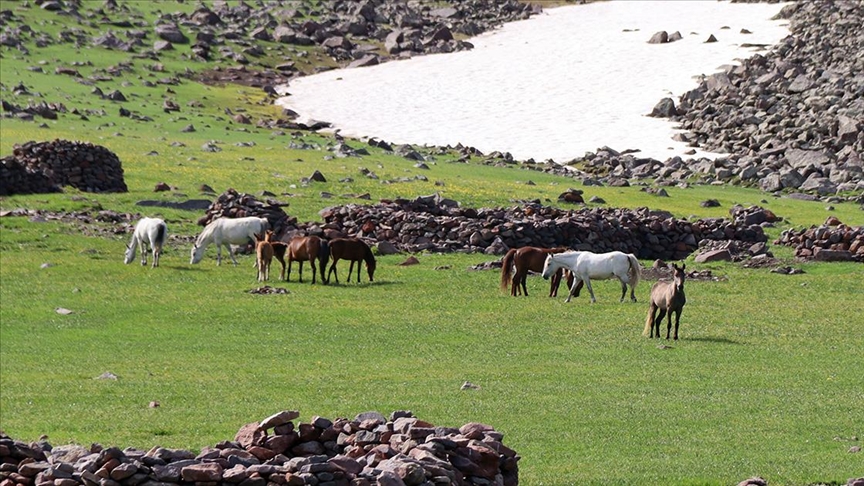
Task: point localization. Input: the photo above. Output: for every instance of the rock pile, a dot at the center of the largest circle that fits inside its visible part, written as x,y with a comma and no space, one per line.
832,241
349,32
368,450
38,167
791,118
432,223
233,204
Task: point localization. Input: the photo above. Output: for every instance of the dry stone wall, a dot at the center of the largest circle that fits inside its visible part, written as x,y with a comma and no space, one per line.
39,167
432,223
369,449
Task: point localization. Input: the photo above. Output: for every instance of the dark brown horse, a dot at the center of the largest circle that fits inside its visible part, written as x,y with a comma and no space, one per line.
668,297
353,250
525,259
301,249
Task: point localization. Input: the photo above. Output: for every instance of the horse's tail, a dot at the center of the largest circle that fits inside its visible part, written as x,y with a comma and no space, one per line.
323,257
507,268
635,272
161,235
649,320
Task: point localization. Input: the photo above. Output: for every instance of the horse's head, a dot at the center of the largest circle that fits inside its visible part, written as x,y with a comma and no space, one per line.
196,254
678,276
548,271
370,267
130,255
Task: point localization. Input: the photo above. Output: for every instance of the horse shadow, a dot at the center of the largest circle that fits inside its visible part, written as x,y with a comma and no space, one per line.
718,340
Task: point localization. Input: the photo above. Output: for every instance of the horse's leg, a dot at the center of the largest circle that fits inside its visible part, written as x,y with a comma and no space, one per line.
350,270
144,250
359,265
590,289
623,290
524,283
300,262
314,270
677,319
652,310
282,261
574,288
659,320
333,271
669,323
231,254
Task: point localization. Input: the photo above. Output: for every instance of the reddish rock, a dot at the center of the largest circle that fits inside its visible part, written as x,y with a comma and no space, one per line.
250,434
205,472
278,419
714,256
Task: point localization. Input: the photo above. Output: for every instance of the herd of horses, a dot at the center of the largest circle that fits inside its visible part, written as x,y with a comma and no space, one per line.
152,233
577,267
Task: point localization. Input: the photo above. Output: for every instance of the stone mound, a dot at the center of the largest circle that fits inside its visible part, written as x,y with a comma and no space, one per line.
40,167
832,241
367,450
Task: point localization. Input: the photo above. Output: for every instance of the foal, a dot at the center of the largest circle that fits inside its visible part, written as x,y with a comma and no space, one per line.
264,255
668,297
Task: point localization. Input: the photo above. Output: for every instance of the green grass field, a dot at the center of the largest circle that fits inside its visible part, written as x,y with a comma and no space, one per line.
766,379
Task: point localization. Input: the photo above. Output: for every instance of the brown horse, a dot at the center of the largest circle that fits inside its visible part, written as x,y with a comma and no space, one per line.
263,255
525,259
353,250
668,297
303,248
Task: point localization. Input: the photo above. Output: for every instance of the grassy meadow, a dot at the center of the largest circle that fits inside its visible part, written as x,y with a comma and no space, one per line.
766,379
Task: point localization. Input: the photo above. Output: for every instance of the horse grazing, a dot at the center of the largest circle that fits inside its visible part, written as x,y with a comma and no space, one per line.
227,232
525,259
263,255
307,248
600,266
148,231
667,297
353,250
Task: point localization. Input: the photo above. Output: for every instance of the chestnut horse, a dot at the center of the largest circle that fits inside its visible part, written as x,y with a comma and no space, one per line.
353,250
303,248
667,297
263,255
525,259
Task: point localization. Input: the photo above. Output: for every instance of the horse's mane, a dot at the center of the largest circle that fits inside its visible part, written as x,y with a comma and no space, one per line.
207,231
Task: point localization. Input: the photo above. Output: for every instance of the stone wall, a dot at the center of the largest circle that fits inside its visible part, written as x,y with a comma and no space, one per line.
38,167
432,223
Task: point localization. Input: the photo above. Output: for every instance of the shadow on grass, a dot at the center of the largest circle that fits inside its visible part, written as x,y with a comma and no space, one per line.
362,284
710,339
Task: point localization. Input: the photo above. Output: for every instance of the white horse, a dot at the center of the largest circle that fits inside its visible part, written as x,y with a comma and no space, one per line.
148,231
227,232
601,266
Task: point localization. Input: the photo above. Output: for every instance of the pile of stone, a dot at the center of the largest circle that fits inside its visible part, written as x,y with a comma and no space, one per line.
349,32
368,450
39,167
832,241
791,118
233,204
436,224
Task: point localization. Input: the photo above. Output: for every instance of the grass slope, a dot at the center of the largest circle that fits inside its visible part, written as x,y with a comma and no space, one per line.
766,379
